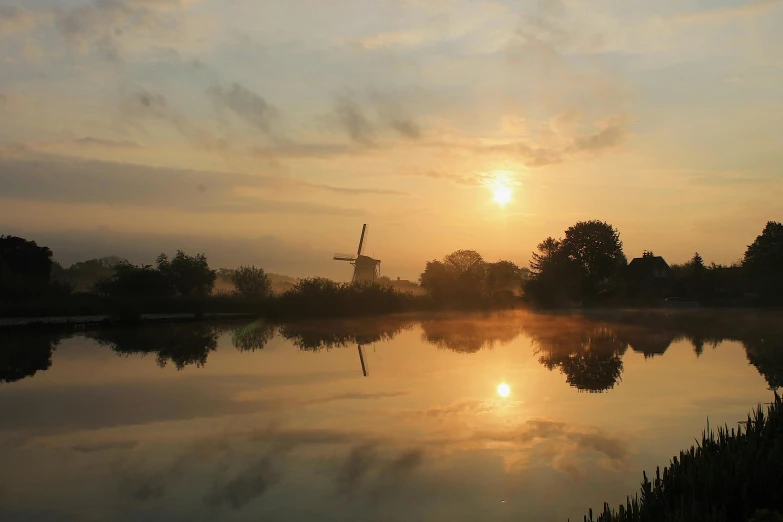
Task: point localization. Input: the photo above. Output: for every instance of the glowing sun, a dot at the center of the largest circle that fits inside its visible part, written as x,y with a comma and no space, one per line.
504,390
502,195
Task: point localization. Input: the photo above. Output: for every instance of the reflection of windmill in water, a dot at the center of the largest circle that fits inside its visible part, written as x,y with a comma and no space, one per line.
365,268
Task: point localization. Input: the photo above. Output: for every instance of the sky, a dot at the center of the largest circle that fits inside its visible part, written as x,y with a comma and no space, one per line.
268,132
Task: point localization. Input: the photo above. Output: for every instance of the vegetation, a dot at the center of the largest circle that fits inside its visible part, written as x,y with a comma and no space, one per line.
250,281
189,275
464,280
586,267
579,267
728,476
763,261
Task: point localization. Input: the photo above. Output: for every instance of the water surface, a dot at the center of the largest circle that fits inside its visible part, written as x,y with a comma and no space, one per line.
509,416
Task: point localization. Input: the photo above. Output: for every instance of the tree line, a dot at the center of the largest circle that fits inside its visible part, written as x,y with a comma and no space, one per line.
585,266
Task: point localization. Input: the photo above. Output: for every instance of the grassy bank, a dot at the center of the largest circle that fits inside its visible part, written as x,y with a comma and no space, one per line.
730,476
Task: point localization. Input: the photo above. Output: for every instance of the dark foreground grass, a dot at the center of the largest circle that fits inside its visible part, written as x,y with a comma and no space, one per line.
731,476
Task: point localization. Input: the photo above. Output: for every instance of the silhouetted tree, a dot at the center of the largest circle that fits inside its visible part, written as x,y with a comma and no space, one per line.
594,247
764,259
85,274
131,282
25,268
460,279
188,274
250,281
572,269
436,280
504,276
547,252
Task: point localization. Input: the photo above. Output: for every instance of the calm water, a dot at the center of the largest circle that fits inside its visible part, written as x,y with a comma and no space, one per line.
206,422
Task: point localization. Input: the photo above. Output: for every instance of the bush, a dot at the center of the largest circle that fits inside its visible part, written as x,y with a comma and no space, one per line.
250,281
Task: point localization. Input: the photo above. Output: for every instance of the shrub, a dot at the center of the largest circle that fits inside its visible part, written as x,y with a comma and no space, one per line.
250,281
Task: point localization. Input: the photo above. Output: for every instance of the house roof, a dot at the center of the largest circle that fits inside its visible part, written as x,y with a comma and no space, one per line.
648,263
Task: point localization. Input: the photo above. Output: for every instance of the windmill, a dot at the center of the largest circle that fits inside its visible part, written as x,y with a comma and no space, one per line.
365,268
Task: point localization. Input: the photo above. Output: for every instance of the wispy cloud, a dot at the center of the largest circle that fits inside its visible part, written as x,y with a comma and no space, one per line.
68,180
244,104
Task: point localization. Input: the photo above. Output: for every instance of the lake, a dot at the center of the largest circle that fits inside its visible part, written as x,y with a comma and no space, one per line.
507,416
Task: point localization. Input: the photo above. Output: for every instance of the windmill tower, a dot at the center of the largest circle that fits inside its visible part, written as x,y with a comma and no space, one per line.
365,268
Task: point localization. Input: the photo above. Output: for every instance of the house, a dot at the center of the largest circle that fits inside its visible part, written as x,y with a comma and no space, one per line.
648,275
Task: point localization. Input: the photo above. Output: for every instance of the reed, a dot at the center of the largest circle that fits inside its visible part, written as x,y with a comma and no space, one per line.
731,475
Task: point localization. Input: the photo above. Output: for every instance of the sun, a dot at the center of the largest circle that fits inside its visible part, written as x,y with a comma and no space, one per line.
504,390
502,195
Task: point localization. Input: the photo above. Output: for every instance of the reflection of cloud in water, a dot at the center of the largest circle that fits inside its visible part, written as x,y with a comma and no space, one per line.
246,486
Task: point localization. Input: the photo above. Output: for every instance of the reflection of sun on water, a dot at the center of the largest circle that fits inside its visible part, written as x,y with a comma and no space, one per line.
504,390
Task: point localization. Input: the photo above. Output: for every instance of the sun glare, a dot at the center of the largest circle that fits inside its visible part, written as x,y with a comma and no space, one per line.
504,390
502,195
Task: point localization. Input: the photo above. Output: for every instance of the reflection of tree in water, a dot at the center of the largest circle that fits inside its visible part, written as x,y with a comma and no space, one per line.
469,334
182,344
252,337
317,335
24,354
766,354
591,360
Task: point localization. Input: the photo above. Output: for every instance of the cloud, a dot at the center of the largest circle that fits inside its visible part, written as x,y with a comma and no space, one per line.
367,463
612,134
609,133
98,182
245,104
352,119
102,24
245,487
567,446
14,18
387,39
140,104
89,141
355,467
351,116
717,14
470,407
92,447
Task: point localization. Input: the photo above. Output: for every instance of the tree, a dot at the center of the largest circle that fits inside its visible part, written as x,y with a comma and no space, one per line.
85,274
595,247
764,259
436,279
464,261
188,274
504,276
24,266
250,281
548,249
132,282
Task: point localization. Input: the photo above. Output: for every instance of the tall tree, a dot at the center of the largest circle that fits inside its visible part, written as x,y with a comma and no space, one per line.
25,267
595,248
463,261
548,249
763,260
